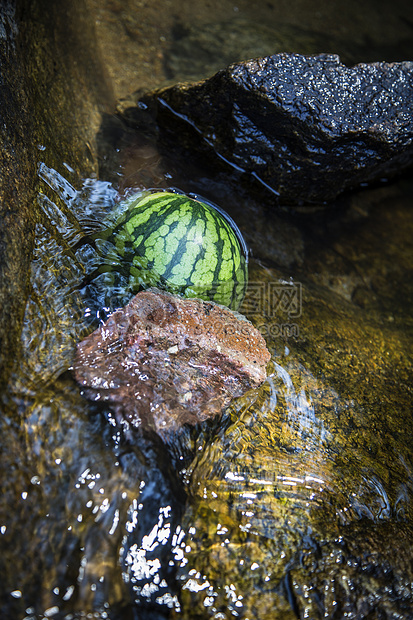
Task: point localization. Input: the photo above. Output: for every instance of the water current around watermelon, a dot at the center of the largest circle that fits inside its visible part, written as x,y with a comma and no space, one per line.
297,501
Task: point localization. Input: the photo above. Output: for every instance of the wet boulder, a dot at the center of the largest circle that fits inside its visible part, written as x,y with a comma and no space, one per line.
303,128
43,119
163,361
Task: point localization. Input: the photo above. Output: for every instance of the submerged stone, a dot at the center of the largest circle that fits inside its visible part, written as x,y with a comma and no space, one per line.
163,361
306,128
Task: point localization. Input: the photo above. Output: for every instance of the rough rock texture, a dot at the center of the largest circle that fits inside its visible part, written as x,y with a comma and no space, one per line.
51,90
17,174
164,361
304,127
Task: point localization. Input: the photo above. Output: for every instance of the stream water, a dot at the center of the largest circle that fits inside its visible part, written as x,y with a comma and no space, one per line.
297,502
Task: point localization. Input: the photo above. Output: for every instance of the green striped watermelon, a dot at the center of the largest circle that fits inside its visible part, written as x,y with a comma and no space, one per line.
180,243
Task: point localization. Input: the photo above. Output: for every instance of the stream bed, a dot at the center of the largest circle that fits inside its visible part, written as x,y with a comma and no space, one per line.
297,501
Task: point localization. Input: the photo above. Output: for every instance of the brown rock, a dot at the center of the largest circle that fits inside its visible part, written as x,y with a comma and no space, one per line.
164,361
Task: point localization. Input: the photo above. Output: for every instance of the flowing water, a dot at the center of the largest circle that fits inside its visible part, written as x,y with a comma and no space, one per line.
297,502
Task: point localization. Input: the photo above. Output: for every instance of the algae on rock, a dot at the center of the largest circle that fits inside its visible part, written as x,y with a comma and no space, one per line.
39,79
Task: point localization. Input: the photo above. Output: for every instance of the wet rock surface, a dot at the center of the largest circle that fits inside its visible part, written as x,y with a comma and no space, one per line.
304,128
37,125
17,170
164,361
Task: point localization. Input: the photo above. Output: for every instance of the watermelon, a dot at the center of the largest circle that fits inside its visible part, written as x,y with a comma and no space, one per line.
180,243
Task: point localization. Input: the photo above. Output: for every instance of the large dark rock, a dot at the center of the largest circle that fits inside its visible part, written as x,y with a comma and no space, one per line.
305,127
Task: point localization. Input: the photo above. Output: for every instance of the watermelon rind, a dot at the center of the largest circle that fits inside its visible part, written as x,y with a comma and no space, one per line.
176,242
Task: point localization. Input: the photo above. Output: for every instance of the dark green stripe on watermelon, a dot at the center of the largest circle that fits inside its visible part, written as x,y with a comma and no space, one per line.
180,244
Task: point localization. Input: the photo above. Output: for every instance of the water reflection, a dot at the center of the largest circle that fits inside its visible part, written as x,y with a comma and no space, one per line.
251,502
266,496
142,564
152,535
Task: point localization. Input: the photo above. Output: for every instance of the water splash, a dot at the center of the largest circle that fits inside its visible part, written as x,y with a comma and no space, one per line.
58,312
300,410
